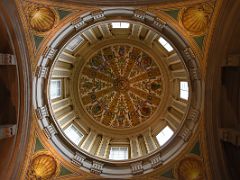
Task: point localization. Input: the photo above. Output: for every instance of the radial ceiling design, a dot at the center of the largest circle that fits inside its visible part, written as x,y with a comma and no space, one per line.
121,86
127,81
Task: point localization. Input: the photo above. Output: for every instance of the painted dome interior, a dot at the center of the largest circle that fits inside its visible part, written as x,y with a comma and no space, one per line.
121,84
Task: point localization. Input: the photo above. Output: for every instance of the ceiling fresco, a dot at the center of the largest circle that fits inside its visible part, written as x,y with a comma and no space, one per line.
108,77
41,20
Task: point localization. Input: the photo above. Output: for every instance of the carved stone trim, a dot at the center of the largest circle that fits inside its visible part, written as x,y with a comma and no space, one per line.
137,168
140,15
7,59
191,64
97,167
49,53
50,131
185,134
156,161
41,72
78,159
42,112
98,15
79,23
159,23
193,115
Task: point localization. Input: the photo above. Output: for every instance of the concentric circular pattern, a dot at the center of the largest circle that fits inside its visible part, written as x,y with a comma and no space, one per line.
120,86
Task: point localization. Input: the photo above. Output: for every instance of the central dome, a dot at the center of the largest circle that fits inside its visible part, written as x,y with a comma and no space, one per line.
120,86
121,92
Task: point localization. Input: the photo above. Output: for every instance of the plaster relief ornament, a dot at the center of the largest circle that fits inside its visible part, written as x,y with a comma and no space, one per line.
197,19
190,168
41,19
42,166
120,86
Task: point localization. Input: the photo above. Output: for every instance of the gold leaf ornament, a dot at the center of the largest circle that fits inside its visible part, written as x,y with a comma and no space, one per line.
196,19
42,166
42,19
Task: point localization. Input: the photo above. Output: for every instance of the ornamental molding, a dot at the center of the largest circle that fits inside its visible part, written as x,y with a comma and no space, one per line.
193,115
79,23
49,53
140,15
191,63
98,15
137,168
185,134
97,167
50,131
78,159
158,23
156,161
42,112
41,72
95,164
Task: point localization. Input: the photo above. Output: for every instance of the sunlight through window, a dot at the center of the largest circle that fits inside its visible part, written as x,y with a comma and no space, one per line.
164,135
184,91
165,44
73,134
118,153
120,25
55,89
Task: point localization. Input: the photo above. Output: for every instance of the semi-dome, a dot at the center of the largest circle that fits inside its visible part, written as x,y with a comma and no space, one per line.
121,89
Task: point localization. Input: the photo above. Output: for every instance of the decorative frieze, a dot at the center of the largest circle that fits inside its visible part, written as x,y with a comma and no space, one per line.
191,64
97,167
79,23
140,15
193,115
158,23
49,53
7,59
50,131
78,159
98,15
42,112
185,134
41,72
156,161
137,168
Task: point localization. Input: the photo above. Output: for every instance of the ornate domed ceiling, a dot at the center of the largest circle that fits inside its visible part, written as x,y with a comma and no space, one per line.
120,86
119,91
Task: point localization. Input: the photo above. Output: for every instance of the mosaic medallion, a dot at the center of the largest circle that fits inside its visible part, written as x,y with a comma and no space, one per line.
120,86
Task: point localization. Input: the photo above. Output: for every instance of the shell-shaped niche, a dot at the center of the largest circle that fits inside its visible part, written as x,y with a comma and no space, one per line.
42,19
190,168
43,167
196,19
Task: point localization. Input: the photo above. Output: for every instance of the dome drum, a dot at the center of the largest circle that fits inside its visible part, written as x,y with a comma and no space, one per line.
52,119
